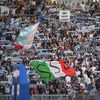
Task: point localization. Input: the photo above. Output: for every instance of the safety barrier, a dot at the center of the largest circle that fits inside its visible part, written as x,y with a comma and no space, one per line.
66,97
5,97
57,97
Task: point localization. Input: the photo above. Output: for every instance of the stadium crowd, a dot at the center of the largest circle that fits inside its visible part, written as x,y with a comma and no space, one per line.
76,42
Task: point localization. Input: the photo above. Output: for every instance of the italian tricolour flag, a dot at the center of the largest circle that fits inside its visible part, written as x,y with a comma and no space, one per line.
50,70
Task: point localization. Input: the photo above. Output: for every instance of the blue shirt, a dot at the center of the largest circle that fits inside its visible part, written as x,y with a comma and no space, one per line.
7,89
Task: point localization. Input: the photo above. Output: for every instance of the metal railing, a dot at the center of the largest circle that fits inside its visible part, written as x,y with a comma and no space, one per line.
57,97
5,97
66,97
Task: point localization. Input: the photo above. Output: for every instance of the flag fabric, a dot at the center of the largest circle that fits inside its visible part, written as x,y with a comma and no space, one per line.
20,83
26,37
43,70
18,46
50,70
24,84
69,71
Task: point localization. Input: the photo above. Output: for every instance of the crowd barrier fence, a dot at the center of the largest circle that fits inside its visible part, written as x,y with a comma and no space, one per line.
57,97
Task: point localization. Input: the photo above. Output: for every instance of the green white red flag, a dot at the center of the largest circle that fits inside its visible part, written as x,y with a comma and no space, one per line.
48,71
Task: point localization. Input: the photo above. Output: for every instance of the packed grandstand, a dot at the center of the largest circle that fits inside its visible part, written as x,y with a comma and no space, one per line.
67,33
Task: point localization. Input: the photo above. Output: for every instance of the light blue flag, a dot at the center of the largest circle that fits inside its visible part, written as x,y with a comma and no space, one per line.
26,36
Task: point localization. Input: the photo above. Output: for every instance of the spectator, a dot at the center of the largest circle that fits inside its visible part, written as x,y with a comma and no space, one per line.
76,42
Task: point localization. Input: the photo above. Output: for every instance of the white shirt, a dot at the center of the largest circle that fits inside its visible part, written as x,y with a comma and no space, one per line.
83,69
78,73
93,68
83,7
68,79
87,80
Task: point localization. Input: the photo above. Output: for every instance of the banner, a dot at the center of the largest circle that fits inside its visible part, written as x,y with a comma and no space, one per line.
64,15
6,10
